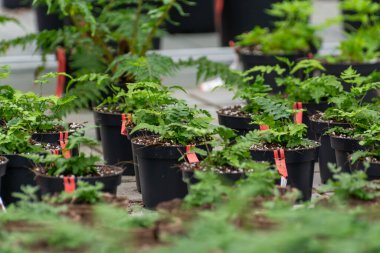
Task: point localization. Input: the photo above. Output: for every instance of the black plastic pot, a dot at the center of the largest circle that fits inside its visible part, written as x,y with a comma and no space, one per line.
18,173
312,108
135,161
47,21
344,147
53,138
242,125
50,185
326,153
250,60
373,171
241,16
300,166
117,148
16,4
160,175
3,168
200,18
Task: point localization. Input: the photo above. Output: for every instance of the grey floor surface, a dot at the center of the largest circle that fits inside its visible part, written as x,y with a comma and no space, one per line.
23,61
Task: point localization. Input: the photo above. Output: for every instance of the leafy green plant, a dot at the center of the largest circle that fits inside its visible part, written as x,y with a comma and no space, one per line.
309,89
176,124
84,193
142,95
16,141
371,140
292,33
57,165
364,11
354,185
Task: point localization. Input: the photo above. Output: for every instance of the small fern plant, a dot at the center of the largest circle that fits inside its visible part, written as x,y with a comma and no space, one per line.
292,33
177,124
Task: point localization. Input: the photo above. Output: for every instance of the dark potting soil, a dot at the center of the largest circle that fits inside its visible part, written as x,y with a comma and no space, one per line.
3,160
256,50
46,146
101,171
72,128
234,110
151,140
218,170
318,117
108,109
344,135
274,146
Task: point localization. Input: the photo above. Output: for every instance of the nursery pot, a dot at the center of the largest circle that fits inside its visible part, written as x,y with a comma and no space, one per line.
241,16
135,161
3,166
18,174
300,166
250,60
16,4
326,153
160,175
117,148
344,147
200,18
47,21
373,171
312,108
242,125
50,185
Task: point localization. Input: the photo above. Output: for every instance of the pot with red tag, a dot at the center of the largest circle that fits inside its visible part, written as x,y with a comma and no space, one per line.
51,185
326,152
233,118
160,175
117,148
296,167
17,174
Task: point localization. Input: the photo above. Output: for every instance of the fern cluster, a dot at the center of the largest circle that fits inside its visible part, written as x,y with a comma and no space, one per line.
292,33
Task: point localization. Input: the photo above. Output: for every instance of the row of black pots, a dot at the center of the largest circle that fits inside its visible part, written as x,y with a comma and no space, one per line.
19,173
16,4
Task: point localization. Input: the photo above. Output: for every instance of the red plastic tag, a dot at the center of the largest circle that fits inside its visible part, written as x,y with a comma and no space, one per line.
55,151
69,184
310,56
279,158
264,127
63,140
299,114
218,8
231,43
126,120
190,155
61,58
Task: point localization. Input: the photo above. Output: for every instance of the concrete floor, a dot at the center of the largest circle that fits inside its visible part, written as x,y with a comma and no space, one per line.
23,61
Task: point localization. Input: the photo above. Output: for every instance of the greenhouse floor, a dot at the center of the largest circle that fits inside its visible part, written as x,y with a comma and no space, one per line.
23,63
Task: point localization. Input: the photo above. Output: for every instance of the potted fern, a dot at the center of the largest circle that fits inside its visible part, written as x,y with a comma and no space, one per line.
287,140
3,166
176,127
348,110
368,160
292,37
14,143
51,171
231,160
115,131
356,13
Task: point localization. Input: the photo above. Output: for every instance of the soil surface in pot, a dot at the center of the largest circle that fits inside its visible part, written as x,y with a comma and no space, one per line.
234,111
151,140
3,160
256,50
219,170
59,128
274,146
318,117
101,171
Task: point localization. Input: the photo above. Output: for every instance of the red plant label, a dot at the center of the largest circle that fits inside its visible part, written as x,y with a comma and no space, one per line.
61,58
264,127
191,155
299,114
279,158
63,140
126,120
69,184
